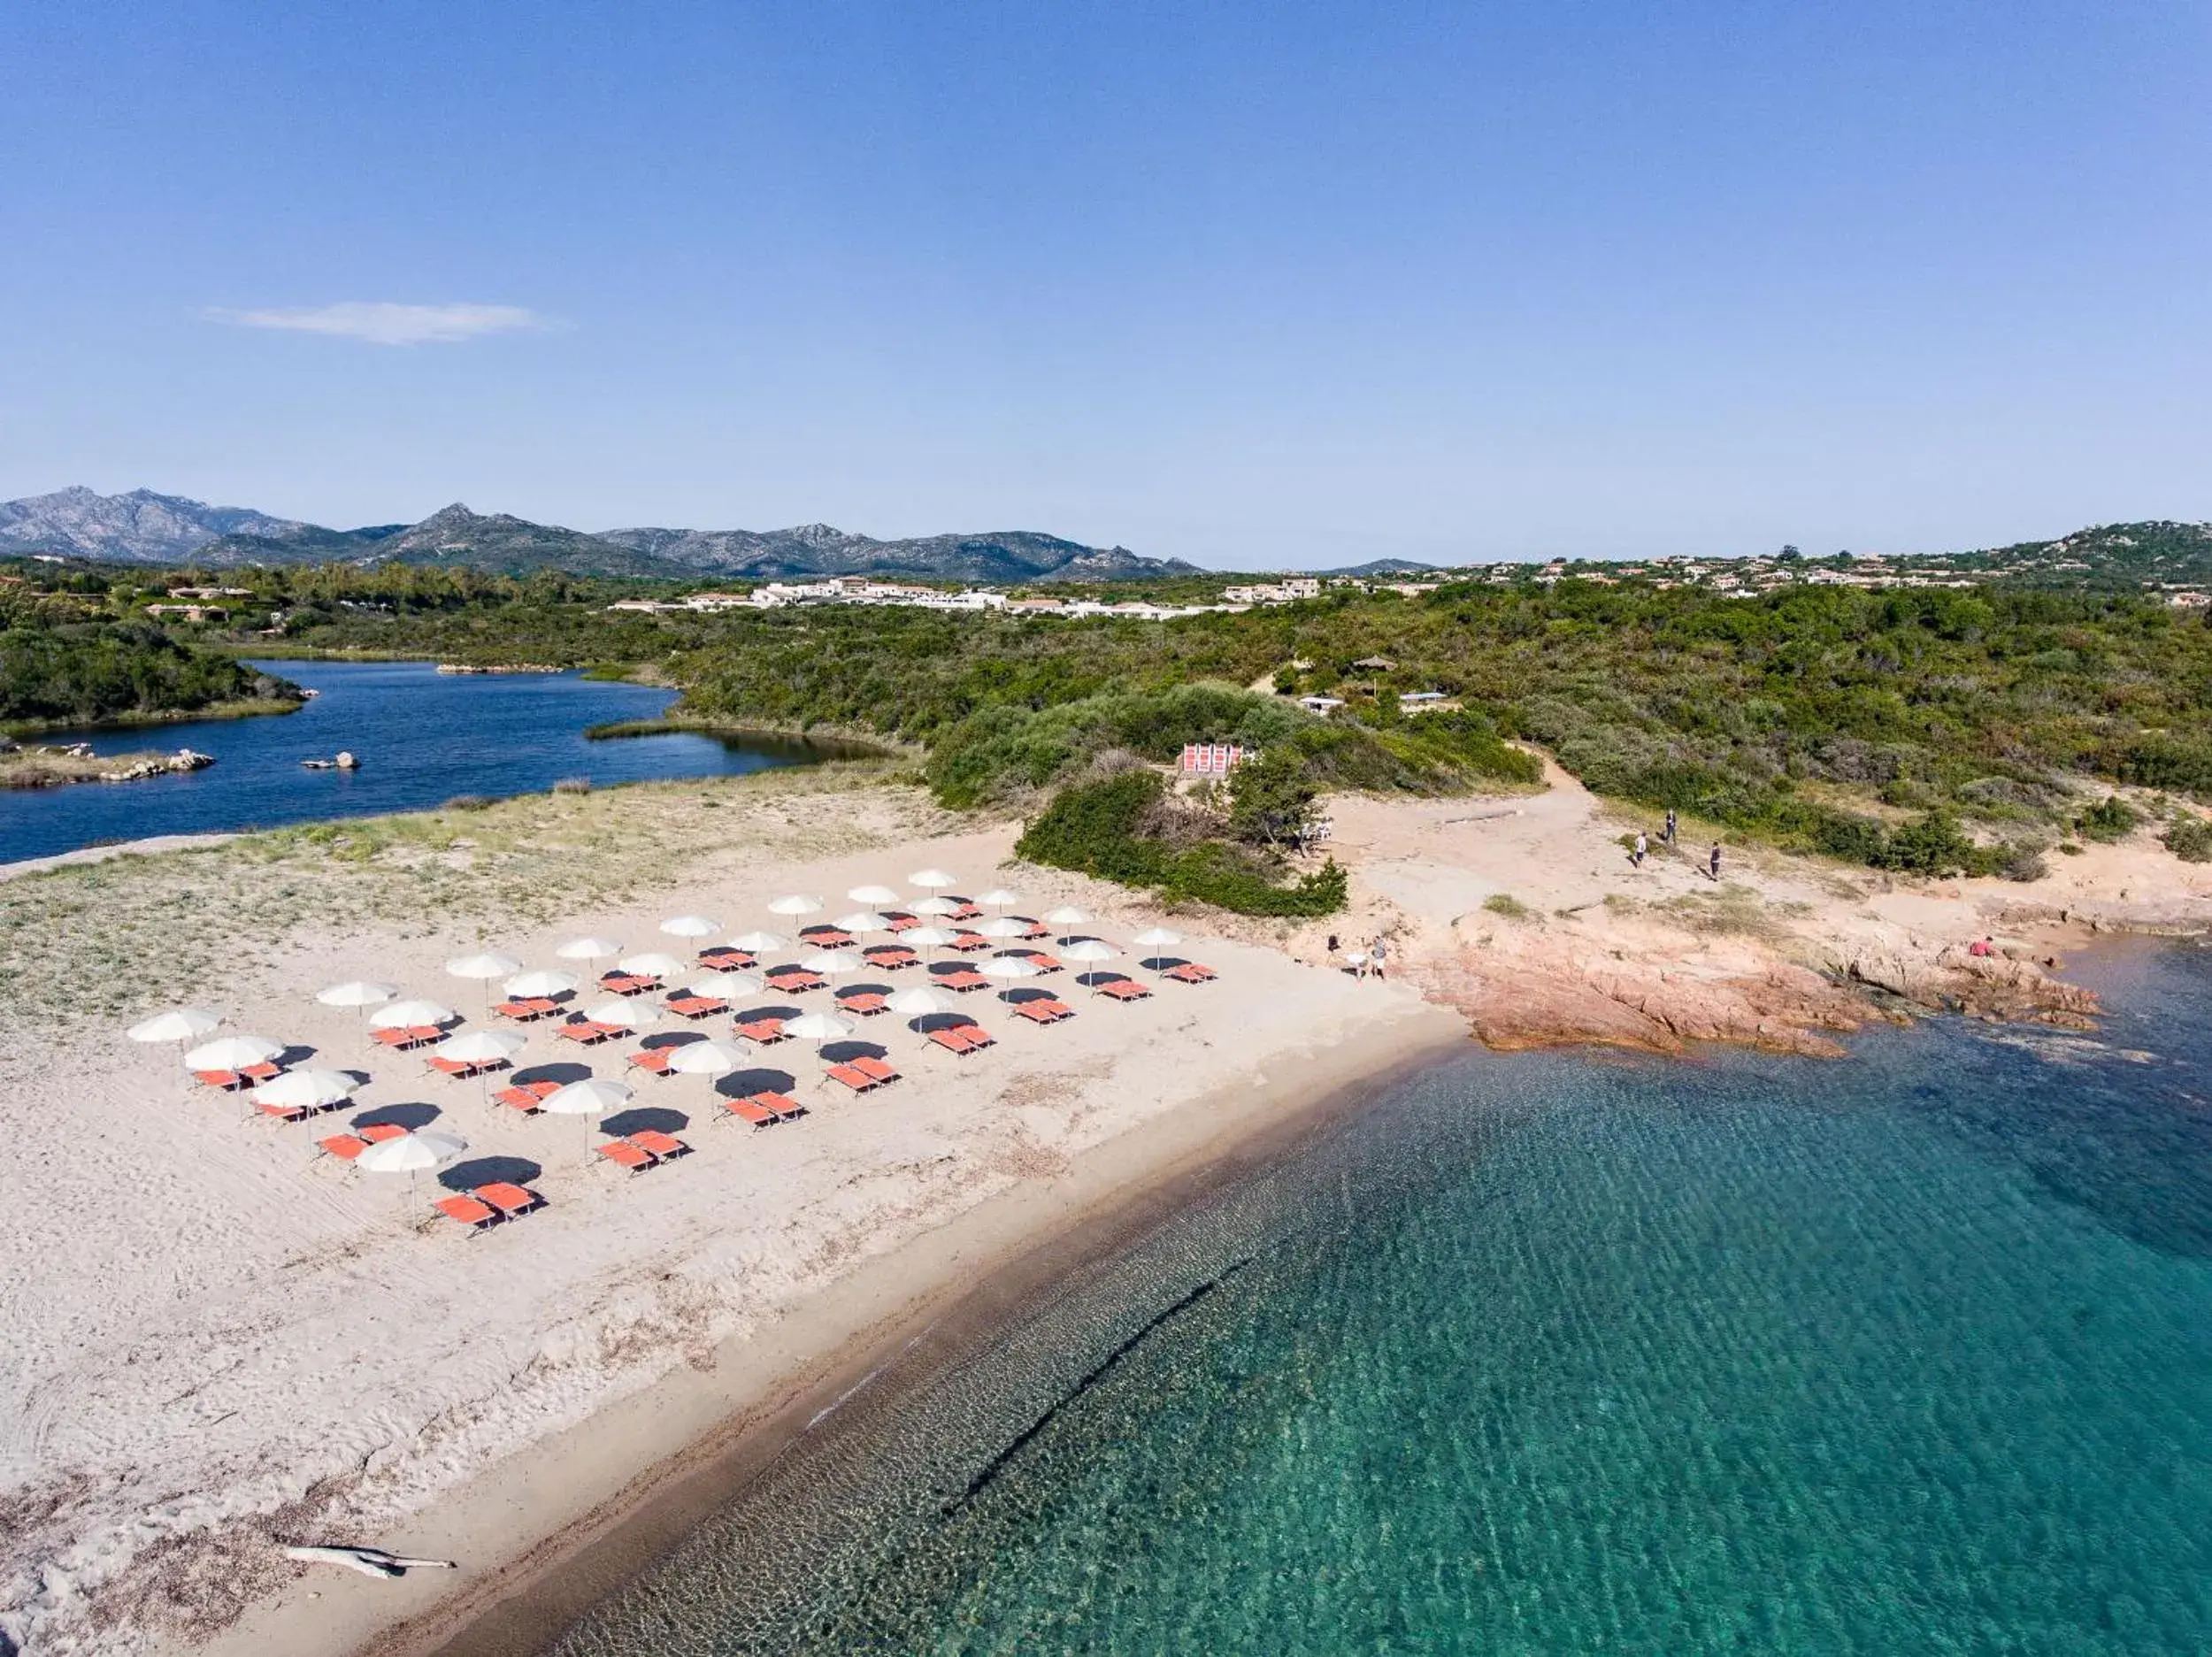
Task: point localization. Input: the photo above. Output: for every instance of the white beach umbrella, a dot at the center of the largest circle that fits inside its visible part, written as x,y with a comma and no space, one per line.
1003,926
412,1154
795,903
819,1027
1000,898
1090,950
587,1098
690,926
832,962
1010,967
480,1046
487,966
411,1014
652,964
361,992
231,1053
728,986
625,1015
925,937
707,1058
180,1025
936,906
1067,915
921,1002
873,895
759,943
1157,938
528,986
590,949
932,879
304,1089
863,921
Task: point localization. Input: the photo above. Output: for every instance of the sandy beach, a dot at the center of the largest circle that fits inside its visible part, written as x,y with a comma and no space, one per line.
226,1342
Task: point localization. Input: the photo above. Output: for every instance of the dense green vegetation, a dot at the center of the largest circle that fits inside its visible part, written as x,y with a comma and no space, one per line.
60,667
1922,730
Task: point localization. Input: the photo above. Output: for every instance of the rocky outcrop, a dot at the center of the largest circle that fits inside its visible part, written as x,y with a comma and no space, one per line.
184,759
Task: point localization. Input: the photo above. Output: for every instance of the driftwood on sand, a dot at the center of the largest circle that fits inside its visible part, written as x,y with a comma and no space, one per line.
370,1562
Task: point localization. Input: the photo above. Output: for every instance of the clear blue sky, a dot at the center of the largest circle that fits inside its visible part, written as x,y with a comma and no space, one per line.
1251,285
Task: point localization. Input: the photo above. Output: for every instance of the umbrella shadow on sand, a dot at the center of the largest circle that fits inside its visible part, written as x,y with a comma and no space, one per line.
928,1022
846,1052
295,1055
488,1171
408,1116
562,1072
745,1084
1028,992
785,1013
640,1117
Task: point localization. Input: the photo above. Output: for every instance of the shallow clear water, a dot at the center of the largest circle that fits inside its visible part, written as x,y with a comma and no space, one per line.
422,736
1547,1354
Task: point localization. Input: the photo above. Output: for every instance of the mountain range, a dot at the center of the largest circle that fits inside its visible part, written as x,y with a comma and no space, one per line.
143,527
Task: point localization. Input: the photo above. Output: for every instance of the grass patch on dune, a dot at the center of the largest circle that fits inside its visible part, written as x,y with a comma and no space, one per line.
99,941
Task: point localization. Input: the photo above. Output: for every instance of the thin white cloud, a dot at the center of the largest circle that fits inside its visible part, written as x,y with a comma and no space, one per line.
381,322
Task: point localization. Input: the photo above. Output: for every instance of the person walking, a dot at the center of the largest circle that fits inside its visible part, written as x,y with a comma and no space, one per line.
1380,955
1713,863
1669,835
1636,857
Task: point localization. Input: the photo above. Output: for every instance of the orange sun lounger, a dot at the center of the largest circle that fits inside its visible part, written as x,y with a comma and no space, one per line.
527,1096
1125,990
865,1003
962,983
230,1081
528,1009
652,1060
891,957
853,1077
826,937
628,984
961,1038
512,1200
764,1032
746,1110
406,1037
968,943
623,1153
795,981
663,1146
585,1031
464,1070
1042,962
696,1006
474,1214
723,958
1044,1012
875,1069
1191,972
346,1147
783,1106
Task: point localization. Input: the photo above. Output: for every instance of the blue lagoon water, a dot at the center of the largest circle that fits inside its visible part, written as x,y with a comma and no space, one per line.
423,737
1549,1353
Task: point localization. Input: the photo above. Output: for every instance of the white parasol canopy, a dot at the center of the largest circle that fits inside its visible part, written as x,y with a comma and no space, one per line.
625,1015
1090,950
480,1046
759,943
1068,915
936,906
830,962
933,880
180,1025
795,903
999,898
1010,967
356,992
231,1053
819,1027
413,1153
690,926
488,965
408,1014
587,1098
864,921
653,965
590,949
1157,938
925,937
873,895
708,1058
919,1002
1003,926
544,982
306,1090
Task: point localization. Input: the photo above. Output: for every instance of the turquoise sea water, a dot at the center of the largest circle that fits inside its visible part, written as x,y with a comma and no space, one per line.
1549,1353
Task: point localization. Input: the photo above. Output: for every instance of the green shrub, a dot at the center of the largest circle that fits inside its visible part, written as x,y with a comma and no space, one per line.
1098,829
2189,839
2111,818
1506,904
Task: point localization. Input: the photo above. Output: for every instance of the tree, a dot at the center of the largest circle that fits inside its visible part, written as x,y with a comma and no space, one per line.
1269,799
1789,554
